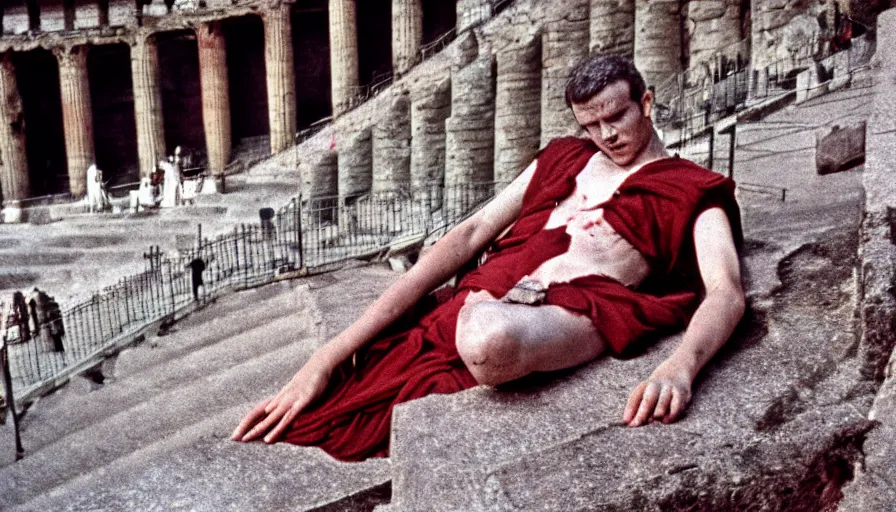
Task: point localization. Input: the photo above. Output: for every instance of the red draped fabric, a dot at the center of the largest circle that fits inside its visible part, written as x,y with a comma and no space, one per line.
654,209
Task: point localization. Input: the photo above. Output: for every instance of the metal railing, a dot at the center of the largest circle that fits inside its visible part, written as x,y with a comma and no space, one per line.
693,100
304,235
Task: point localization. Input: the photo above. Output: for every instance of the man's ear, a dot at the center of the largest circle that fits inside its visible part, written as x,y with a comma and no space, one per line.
647,104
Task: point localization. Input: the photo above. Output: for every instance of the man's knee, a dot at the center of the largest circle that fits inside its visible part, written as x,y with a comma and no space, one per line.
488,343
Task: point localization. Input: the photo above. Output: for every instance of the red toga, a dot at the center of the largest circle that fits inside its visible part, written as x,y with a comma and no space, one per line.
654,210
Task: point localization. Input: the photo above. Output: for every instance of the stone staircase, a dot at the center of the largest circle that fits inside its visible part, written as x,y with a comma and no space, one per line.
149,429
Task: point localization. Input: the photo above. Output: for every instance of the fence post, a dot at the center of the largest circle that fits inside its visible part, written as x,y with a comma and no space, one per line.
10,398
171,286
298,223
712,148
731,151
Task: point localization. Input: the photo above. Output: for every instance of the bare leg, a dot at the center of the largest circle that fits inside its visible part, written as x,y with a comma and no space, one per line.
500,342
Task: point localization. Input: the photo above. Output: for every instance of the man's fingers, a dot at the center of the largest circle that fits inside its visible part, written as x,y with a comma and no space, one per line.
254,415
680,400
285,422
662,404
633,402
648,402
265,425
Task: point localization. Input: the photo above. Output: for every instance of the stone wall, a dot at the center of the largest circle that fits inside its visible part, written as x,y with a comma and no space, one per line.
87,14
874,488
15,19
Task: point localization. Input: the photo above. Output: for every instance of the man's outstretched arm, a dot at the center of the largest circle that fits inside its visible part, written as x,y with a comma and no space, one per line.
666,393
457,247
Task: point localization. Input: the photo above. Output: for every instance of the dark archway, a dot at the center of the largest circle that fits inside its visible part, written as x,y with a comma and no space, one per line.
311,53
244,37
112,98
439,17
37,76
181,92
374,40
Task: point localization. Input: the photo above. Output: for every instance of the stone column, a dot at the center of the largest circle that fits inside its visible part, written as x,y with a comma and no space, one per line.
564,44
407,33
658,40
215,95
281,78
517,109
392,144
713,28
14,180
470,134
77,116
343,54
472,12
430,107
612,27
148,104
355,161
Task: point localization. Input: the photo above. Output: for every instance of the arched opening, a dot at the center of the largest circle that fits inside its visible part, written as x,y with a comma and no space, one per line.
37,76
244,37
311,54
112,99
181,92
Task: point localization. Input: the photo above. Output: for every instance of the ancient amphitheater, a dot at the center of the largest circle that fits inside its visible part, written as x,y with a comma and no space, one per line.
368,128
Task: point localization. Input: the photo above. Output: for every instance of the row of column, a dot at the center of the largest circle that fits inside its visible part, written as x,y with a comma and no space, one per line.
487,121
407,37
77,116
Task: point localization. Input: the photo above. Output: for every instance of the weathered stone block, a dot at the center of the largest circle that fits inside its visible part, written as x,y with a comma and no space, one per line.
840,149
430,107
392,144
355,162
469,132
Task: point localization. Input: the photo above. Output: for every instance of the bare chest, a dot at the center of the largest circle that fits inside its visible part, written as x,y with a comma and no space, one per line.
595,185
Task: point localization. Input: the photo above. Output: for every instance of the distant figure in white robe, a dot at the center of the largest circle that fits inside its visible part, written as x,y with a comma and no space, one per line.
146,194
171,186
97,197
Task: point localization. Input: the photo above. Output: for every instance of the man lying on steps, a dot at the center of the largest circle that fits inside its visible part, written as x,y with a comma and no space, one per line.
612,240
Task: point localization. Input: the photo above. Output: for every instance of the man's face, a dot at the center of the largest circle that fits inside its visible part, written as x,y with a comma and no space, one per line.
619,126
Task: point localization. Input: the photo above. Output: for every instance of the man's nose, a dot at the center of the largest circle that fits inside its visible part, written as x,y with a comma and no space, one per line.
608,133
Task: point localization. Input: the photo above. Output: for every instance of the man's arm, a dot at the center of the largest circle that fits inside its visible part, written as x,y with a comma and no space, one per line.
667,392
439,264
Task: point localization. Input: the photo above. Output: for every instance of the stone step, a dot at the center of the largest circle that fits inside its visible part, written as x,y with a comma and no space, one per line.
198,468
162,364
159,412
153,427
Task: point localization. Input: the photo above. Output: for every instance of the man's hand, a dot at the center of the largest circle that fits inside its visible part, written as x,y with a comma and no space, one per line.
662,397
275,414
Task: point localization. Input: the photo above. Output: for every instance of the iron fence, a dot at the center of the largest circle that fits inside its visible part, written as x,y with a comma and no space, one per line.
304,235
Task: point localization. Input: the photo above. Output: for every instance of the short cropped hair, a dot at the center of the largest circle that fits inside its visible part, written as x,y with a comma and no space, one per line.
595,73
